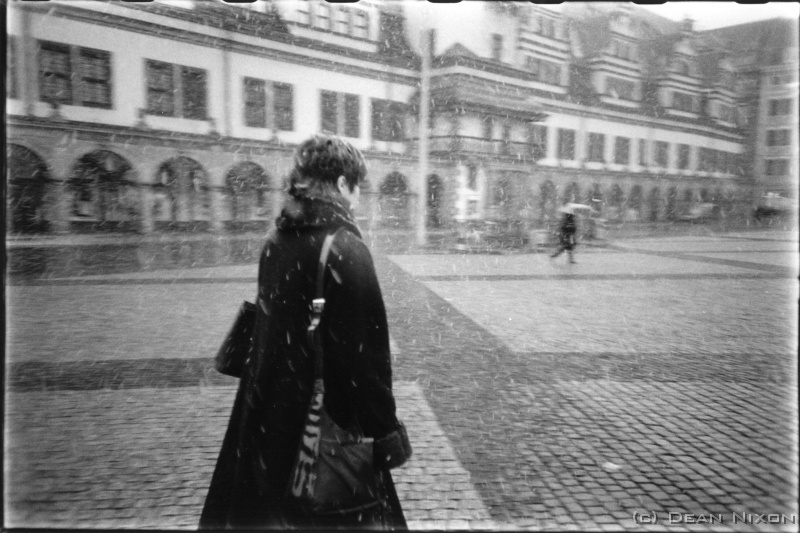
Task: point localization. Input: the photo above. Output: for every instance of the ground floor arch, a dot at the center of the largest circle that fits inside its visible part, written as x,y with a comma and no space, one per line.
634,207
182,196
27,178
548,201
654,204
595,198
616,203
434,201
393,200
572,194
248,193
103,193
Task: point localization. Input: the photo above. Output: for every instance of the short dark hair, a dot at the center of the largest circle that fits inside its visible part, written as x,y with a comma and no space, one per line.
325,158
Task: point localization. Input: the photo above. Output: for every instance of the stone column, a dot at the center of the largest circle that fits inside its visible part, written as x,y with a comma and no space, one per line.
60,197
146,200
218,209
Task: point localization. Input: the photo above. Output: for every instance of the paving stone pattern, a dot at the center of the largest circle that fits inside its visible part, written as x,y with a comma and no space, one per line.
143,458
645,378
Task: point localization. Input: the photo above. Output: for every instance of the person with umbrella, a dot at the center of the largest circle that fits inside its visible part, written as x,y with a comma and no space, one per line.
566,232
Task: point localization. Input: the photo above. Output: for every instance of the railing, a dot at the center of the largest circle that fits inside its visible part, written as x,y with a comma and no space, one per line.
461,143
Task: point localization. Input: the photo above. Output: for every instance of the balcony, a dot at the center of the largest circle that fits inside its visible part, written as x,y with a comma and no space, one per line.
475,145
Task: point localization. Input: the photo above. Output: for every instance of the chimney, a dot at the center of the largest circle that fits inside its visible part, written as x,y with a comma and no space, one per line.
687,25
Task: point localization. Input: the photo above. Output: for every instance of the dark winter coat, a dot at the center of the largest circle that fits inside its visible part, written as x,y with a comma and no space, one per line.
248,486
566,231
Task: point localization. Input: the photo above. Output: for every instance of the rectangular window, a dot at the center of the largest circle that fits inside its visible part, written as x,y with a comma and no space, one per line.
342,20
705,160
361,24
622,150
778,137
642,153
193,81
55,73
255,103
322,16
662,154
566,144
726,113
777,167
387,120
683,156
160,89
352,115
283,97
497,47
682,101
547,27
539,141
328,112
488,128
94,78
544,71
781,106
597,146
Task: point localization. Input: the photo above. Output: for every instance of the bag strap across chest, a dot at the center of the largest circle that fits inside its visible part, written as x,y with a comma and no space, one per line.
318,305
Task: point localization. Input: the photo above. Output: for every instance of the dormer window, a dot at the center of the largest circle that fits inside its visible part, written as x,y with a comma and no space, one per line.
682,101
303,14
727,80
497,47
342,20
544,71
682,68
360,24
323,16
546,26
726,113
623,50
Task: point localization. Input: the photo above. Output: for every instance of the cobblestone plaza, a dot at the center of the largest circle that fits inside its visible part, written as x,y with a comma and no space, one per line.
655,375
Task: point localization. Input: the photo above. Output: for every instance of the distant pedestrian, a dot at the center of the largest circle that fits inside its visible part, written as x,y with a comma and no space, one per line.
249,486
566,236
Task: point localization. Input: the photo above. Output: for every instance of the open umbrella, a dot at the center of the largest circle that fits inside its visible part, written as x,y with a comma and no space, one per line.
575,209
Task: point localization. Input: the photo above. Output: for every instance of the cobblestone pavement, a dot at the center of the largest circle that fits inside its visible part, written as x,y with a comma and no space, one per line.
657,375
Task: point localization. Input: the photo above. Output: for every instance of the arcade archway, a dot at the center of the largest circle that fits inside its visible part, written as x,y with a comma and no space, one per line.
249,197
182,196
393,201
434,203
103,194
27,177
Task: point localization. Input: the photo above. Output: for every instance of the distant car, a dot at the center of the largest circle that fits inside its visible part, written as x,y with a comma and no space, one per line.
699,213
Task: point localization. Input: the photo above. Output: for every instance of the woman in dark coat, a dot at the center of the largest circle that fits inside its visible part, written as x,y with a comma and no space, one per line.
566,236
249,483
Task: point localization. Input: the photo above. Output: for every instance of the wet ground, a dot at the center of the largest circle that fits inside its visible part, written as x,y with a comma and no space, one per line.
657,374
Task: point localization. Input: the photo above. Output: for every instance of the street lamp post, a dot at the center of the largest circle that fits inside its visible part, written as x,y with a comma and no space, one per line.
424,101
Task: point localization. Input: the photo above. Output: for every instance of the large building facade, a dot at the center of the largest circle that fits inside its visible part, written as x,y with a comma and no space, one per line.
183,114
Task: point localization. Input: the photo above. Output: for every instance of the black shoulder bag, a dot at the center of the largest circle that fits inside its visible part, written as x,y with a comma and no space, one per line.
333,471
233,353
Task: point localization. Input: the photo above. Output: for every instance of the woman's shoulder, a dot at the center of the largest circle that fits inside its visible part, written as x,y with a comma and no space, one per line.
350,251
